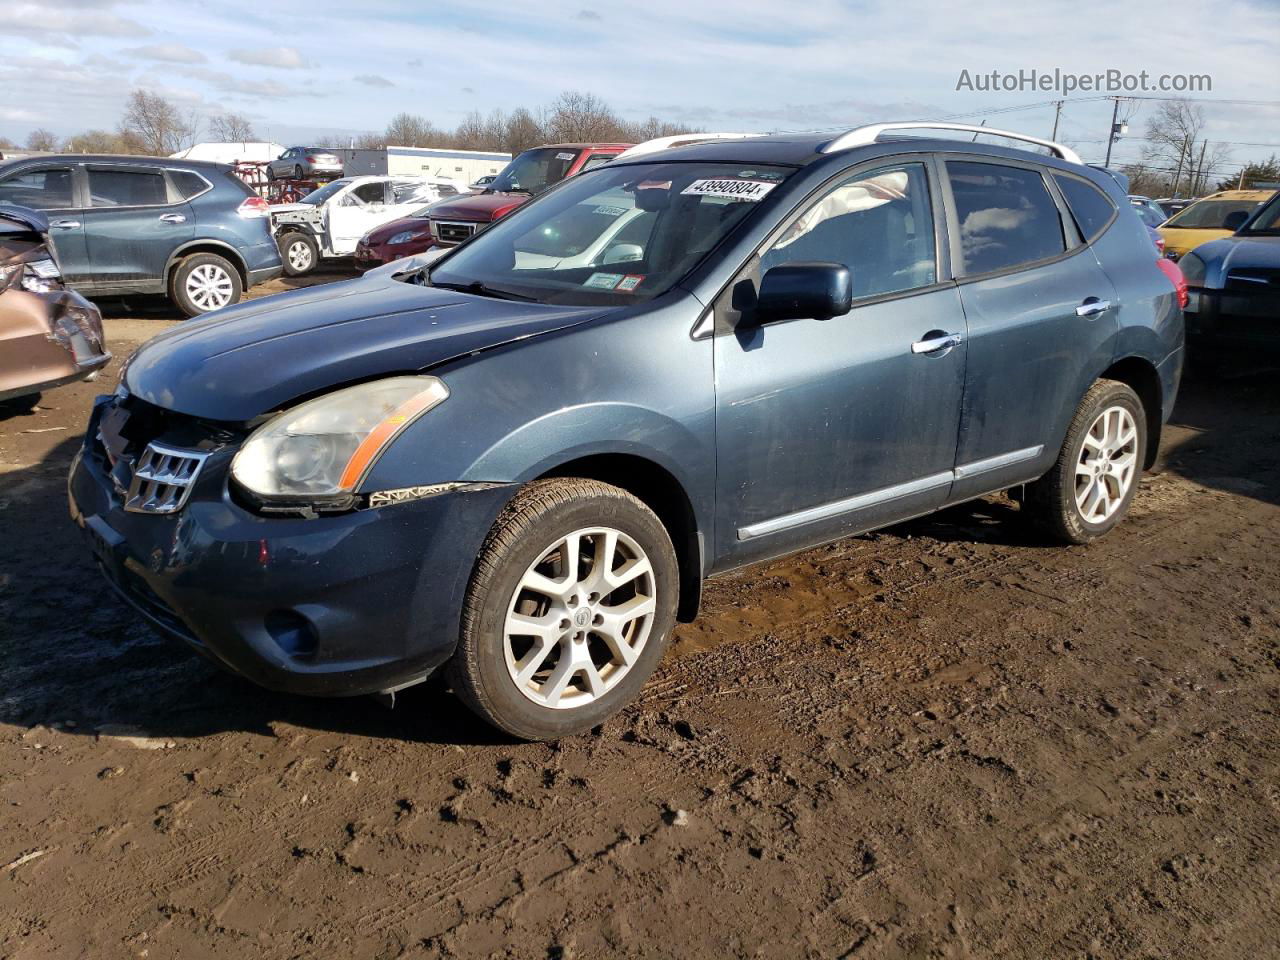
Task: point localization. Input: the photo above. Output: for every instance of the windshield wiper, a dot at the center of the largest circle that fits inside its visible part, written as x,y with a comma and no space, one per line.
483,290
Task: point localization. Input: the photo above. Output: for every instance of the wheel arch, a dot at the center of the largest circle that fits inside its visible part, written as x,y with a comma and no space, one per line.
215,247
1141,376
659,490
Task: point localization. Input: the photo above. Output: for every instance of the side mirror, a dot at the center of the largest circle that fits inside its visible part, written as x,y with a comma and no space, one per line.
623,253
800,291
1235,220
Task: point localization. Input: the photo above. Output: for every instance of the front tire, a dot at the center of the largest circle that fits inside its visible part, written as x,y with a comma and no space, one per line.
204,282
569,609
1091,486
299,254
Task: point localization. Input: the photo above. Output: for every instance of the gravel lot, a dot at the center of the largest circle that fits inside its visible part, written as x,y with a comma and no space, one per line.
942,740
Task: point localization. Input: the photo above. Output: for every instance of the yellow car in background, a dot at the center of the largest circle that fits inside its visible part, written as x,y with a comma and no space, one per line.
1214,216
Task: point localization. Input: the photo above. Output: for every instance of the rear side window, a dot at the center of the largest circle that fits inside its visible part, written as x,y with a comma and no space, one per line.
44,189
126,188
188,184
1007,216
1091,207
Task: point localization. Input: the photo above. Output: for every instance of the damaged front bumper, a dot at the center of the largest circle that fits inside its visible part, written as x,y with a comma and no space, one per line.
338,605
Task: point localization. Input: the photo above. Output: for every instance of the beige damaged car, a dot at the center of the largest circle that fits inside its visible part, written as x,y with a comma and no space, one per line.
49,335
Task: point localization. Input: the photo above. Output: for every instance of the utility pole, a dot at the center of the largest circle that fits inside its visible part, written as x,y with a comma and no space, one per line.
1111,132
1195,184
1057,114
1177,177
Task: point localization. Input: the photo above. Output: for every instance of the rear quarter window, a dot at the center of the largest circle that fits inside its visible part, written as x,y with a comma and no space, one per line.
1006,215
1092,209
188,184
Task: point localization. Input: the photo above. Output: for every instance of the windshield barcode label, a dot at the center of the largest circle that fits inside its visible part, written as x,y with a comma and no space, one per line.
750,190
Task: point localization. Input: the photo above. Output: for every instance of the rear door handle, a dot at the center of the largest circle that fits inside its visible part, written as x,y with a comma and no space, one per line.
65,224
1092,307
934,344
174,218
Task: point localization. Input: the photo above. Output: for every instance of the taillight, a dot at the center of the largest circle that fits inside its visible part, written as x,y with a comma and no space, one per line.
253,207
311,159
1174,273
1160,244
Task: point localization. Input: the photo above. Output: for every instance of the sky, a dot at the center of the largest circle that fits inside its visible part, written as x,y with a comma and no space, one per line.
333,70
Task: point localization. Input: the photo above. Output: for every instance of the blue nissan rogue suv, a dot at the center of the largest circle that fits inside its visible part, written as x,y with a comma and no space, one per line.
518,461
189,229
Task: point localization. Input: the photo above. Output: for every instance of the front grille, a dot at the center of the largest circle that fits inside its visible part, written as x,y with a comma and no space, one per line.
163,478
451,232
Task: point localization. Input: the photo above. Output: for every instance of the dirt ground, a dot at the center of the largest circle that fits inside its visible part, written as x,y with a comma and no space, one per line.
942,740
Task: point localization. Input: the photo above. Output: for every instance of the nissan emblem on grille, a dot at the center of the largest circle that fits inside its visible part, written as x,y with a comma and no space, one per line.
163,478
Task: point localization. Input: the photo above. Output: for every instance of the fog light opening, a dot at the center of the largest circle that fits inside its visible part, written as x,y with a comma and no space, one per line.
293,633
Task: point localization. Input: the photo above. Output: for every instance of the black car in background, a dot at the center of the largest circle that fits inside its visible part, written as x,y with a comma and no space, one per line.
189,229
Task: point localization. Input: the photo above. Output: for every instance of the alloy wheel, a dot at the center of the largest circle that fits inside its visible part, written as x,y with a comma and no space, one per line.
1108,464
209,287
299,255
579,618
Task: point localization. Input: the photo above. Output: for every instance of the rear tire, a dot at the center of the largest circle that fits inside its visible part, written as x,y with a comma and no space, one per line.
299,254
297,173
590,571
204,282
1092,484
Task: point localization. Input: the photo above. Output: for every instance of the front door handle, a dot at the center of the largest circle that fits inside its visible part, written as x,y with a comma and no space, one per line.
174,218
1092,307
934,344
65,224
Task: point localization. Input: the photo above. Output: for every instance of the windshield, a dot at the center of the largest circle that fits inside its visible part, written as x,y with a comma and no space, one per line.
1210,214
1266,220
325,192
612,236
535,170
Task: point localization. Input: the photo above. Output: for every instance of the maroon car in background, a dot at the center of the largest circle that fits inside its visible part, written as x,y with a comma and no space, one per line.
449,222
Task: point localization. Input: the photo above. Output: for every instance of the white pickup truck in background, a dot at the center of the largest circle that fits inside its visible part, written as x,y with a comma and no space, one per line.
328,222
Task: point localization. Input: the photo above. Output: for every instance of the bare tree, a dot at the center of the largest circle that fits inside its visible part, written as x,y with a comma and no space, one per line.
156,123
370,141
1176,145
231,128
410,130
103,141
581,117
522,132
42,140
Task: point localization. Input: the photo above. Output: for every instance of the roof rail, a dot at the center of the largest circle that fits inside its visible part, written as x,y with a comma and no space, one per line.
680,140
862,136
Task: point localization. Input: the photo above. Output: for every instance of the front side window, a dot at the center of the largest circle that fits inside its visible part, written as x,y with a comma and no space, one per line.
367,194
1210,214
1007,217
126,188
615,235
878,224
1091,207
47,188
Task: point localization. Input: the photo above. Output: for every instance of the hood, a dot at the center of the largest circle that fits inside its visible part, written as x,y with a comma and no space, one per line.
286,207
1242,251
259,356
386,231
1185,239
482,207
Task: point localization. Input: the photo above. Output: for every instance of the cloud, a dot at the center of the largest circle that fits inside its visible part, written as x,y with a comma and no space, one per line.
167,53
40,20
468,89
286,58
587,15
372,80
415,62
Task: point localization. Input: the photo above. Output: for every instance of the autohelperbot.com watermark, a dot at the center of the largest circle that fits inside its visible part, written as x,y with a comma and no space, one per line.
1066,82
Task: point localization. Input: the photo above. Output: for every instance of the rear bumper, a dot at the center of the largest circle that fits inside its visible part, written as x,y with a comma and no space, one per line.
338,605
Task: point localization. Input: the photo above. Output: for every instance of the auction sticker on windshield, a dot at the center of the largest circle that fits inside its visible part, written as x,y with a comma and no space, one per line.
751,190
602,281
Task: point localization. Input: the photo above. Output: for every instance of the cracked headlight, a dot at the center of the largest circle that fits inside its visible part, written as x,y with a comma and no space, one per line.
323,448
